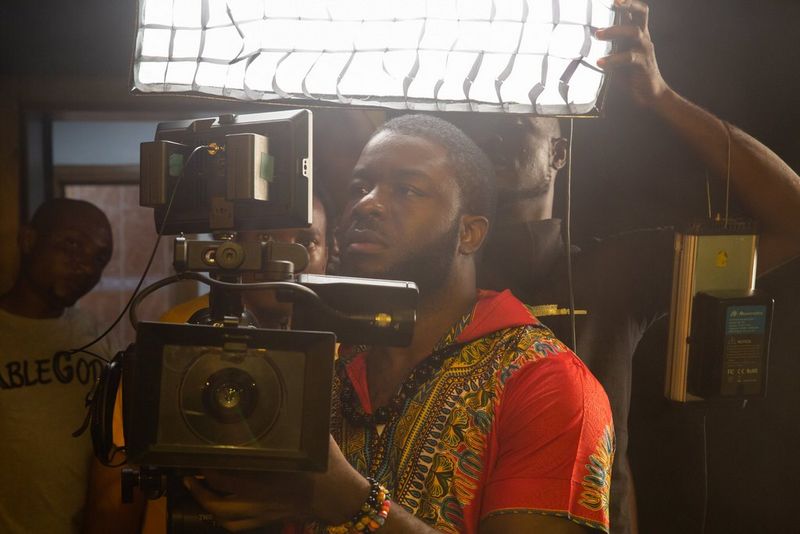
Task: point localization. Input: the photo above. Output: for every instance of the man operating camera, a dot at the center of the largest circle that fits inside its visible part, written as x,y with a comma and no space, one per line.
486,422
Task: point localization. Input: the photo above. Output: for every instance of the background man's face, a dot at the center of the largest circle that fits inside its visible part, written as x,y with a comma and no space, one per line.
402,220
312,238
68,259
520,149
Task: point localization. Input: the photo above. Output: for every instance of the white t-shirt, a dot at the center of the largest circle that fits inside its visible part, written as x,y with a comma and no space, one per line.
44,471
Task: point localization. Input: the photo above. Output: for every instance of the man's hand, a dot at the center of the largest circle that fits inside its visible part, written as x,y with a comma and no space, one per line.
246,500
767,187
634,61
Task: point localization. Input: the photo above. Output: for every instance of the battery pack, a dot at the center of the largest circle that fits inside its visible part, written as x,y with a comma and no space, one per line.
729,344
710,256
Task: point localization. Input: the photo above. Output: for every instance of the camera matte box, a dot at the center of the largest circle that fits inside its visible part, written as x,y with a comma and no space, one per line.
202,397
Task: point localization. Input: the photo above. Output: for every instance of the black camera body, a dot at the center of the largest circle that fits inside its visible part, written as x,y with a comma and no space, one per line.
229,398
225,395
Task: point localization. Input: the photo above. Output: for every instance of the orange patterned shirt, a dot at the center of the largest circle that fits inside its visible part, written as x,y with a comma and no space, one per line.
510,422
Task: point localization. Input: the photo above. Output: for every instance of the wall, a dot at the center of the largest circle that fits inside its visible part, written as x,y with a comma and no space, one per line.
73,98
9,191
100,142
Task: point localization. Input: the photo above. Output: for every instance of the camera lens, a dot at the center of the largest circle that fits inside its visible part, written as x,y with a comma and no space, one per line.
230,395
227,400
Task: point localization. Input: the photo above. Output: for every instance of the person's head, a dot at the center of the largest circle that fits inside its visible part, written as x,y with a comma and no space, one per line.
318,241
526,152
421,199
64,250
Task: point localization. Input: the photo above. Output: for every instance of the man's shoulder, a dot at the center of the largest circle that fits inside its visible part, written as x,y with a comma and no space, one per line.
76,314
533,351
550,380
56,339
537,341
518,347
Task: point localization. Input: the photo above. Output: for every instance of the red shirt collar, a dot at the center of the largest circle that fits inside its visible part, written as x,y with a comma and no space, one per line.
495,311
492,312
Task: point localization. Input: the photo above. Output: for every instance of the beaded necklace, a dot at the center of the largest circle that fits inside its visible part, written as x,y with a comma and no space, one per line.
422,372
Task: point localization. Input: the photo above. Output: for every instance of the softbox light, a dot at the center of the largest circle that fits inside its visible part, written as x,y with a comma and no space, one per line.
524,56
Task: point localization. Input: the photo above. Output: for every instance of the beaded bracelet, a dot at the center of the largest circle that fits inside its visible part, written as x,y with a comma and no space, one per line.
372,514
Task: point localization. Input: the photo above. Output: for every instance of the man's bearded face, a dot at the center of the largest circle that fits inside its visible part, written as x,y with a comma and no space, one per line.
402,221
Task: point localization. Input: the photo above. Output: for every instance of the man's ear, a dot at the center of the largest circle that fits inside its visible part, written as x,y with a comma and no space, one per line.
474,229
333,250
559,151
26,240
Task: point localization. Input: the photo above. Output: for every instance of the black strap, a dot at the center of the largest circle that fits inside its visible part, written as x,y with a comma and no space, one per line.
101,410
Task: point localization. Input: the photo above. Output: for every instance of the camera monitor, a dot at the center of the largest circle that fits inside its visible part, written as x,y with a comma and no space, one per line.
234,172
238,398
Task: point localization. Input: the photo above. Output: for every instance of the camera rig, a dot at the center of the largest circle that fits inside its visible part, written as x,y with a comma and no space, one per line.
226,394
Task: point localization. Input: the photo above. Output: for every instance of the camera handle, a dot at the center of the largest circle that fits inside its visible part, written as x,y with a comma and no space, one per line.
184,515
152,482
226,259
225,307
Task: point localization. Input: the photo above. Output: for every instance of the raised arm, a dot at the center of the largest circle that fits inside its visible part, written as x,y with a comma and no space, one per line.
763,183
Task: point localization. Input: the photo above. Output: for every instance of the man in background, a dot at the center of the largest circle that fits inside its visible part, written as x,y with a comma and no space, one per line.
621,285
43,383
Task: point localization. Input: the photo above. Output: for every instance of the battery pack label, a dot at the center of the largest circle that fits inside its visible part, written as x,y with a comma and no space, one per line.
745,328
746,320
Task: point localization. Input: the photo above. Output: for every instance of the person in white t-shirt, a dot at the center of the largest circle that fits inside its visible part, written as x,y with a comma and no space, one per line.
43,386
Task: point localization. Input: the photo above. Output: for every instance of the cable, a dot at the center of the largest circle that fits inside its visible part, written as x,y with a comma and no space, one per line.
706,454
141,295
149,261
92,401
568,240
727,172
298,289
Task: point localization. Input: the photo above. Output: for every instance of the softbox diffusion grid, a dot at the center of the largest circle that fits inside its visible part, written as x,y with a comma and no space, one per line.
518,56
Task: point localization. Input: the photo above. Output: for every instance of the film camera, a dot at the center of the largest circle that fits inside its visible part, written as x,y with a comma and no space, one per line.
226,394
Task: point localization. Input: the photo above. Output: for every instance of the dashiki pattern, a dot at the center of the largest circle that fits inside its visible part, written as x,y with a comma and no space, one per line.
597,482
430,455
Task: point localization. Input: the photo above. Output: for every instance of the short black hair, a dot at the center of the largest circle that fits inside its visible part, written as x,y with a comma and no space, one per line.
52,211
473,171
